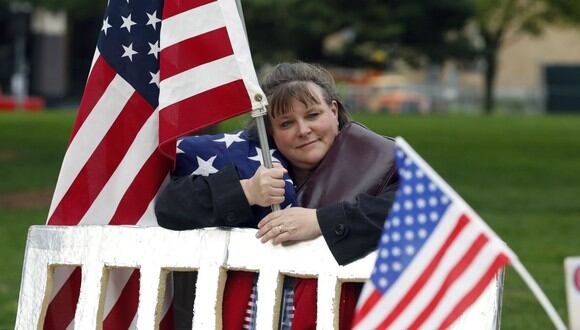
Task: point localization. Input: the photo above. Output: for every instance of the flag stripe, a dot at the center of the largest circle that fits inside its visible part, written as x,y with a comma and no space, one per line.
148,219
99,79
368,305
414,273
123,312
190,23
102,163
118,278
198,80
59,278
461,287
194,51
433,281
168,321
452,276
61,310
500,261
105,205
172,8
142,189
89,136
420,282
177,120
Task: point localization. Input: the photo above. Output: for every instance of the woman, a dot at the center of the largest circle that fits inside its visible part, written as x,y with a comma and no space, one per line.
343,175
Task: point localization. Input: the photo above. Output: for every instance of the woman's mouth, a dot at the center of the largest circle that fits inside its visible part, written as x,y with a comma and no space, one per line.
306,144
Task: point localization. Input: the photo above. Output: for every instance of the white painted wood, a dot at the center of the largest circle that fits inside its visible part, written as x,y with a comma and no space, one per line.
34,283
151,289
208,256
268,304
157,251
89,308
207,305
328,297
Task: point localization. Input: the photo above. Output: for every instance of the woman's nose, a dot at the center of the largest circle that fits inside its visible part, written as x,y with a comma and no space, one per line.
303,128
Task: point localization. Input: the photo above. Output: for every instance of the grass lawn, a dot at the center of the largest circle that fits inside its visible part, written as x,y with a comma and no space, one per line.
521,174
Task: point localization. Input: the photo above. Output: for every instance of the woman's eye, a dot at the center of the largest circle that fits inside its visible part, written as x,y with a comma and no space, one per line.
285,124
313,115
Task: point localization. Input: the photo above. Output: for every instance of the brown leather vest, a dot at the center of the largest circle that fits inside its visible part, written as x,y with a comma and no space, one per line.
359,161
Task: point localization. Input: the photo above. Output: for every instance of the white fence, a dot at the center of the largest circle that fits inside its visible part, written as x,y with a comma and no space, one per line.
211,252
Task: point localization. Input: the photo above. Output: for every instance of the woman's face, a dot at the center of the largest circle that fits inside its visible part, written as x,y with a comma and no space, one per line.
304,134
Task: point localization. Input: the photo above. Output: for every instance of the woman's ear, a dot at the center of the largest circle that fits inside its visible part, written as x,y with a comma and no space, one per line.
334,108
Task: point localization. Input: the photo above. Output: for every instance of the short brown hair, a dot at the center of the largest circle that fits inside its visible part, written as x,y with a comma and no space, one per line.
288,81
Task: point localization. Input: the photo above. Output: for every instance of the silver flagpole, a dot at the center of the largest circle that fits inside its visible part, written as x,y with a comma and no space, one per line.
258,115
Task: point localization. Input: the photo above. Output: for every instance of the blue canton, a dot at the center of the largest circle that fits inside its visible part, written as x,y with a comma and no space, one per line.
129,42
416,212
207,154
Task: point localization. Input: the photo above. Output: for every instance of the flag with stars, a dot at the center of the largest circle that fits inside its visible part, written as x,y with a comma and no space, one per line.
435,257
161,69
207,154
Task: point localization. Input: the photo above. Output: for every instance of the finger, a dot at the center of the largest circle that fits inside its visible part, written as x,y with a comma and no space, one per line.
282,238
276,192
269,218
276,173
278,183
271,234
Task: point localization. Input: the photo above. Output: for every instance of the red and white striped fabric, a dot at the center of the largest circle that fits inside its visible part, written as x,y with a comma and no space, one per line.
160,71
435,257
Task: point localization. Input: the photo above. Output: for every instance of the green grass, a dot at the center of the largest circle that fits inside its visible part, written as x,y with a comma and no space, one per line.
520,173
32,146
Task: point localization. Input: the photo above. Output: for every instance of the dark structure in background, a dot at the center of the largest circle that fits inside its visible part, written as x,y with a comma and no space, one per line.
46,54
82,40
562,88
14,33
6,50
48,74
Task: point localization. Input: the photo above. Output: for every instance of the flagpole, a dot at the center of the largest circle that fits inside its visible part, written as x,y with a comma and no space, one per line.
537,291
258,115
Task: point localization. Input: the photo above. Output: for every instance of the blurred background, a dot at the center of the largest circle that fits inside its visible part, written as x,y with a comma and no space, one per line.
488,91
388,56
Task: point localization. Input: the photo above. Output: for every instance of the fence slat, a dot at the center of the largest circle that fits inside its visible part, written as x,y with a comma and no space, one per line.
269,299
150,296
328,298
92,295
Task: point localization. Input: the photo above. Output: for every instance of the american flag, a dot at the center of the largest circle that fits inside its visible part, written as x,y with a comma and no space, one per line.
435,257
160,70
207,154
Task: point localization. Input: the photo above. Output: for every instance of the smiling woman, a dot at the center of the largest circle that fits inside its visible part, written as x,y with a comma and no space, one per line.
342,174
305,133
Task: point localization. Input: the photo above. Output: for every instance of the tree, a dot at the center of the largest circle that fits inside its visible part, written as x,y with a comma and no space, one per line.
375,32
496,20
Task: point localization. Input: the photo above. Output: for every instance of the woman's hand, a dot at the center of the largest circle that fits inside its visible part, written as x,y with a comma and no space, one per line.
266,187
289,225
